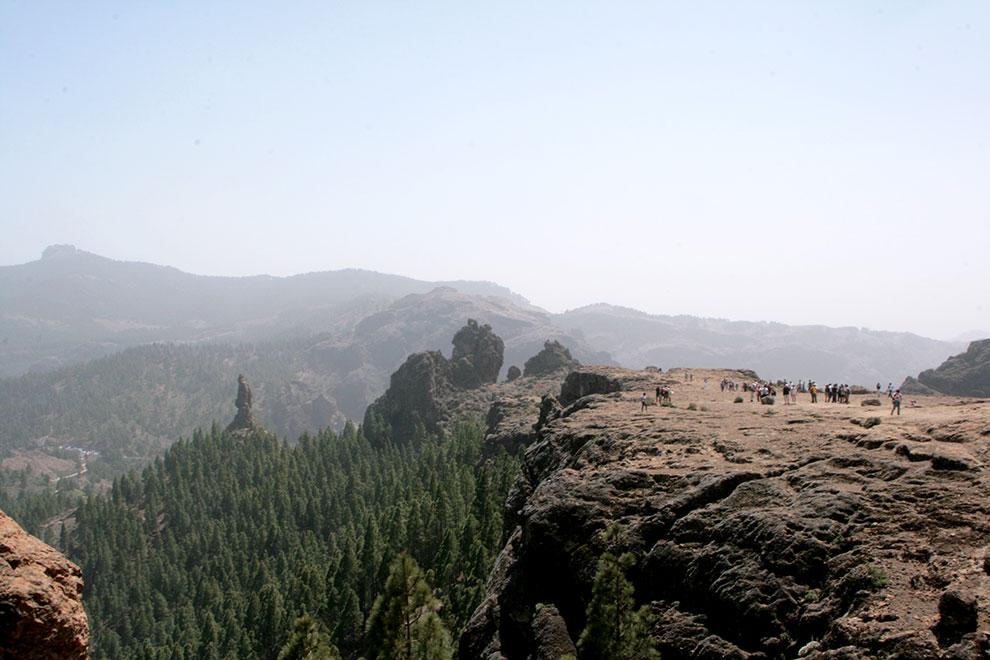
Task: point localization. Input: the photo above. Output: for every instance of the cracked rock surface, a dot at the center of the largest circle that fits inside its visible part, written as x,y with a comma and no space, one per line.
759,532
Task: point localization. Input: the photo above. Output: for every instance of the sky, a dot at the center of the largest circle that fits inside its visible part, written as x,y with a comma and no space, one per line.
798,162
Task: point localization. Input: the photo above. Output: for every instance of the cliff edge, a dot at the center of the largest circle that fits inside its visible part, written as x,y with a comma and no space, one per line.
41,612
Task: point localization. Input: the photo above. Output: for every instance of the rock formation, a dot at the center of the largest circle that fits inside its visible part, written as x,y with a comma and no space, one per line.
966,374
758,533
414,398
41,612
477,356
554,357
244,419
429,390
580,384
513,373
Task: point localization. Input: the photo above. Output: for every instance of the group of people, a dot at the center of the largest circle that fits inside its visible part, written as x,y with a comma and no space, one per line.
834,393
662,397
766,392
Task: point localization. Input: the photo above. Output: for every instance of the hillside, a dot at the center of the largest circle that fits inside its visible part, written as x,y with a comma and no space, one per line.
215,550
70,306
129,406
839,355
966,374
754,531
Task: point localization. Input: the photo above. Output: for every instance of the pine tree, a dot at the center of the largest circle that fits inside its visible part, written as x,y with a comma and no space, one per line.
404,624
615,629
308,641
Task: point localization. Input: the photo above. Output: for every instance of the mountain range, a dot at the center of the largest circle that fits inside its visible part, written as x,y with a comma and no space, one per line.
121,358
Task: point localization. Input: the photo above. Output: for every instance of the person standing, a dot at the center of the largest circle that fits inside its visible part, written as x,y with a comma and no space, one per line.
896,399
642,402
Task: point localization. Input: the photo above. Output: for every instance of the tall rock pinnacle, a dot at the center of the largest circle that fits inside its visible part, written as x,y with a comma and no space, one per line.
244,419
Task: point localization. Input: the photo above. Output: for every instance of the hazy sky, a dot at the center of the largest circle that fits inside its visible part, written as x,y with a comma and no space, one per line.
800,162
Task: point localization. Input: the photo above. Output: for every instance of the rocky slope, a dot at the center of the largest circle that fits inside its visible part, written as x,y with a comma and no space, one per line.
966,374
760,532
41,612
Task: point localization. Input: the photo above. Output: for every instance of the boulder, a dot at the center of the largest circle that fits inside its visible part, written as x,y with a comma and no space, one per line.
554,357
582,383
477,356
957,616
550,636
513,373
41,611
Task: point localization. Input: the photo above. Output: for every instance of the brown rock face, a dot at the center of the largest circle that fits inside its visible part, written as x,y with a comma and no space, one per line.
41,612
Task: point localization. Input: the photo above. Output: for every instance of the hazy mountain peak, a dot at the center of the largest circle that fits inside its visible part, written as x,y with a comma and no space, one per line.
60,250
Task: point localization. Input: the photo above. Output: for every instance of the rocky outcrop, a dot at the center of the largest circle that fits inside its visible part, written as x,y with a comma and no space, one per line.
758,534
244,419
414,399
579,384
477,356
911,385
41,612
513,373
550,636
554,357
428,390
966,374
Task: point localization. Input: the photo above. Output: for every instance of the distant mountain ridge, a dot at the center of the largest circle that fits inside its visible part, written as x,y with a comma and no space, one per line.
71,306
774,350
319,347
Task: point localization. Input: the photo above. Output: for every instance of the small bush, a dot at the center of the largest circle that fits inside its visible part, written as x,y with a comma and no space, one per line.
812,596
878,579
738,399
666,404
692,406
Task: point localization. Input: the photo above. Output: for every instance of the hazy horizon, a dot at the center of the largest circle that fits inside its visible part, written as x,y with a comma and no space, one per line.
806,165
967,335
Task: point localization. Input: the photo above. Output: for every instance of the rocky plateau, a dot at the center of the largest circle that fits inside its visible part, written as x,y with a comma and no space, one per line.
759,531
